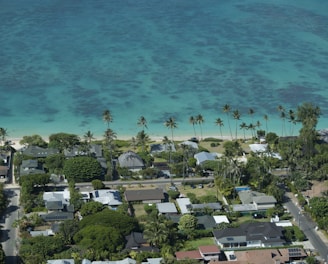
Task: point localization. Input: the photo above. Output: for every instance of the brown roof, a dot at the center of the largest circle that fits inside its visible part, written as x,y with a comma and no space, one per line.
144,195
194,254
3,170
209,249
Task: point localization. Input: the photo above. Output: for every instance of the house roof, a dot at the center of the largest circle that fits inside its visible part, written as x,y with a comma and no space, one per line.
166,208
107,197
210,249
123,261
184,205
214,206
206,221
54,205
63,196
131,160
61,261
39,152
264,199
204,156
157,148
190,144
3,170
152,261
29,163
58,216
75,151
221,219
144,195
194,254
134,240
266,232
247,196
243,207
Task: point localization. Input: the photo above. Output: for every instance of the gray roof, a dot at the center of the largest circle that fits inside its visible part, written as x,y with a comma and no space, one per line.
265,232
61,261
166,208
204,156
243,207
267,199
130,160
206,222
157,148
213,206
144,195
123,261
58,216
246,197
152,261
75,151
39,152
30,163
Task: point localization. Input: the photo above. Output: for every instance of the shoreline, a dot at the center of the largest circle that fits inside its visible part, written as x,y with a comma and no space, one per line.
153,138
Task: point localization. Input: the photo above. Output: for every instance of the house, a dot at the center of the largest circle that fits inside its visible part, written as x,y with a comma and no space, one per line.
190,144
221,219
3,171
145,196
260,201
166,208
205,253
95,150
205,222
205,206
56,201
112,198
203,156
131,161
153,261
184,204
57,216
135,241
123,261
61,261
38,152
30,167
158,148
250,235
263,256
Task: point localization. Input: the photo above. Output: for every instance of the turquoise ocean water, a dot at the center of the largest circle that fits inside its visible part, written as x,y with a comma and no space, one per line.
64,62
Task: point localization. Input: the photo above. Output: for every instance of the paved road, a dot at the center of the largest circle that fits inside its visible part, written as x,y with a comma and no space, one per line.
308,227
9,235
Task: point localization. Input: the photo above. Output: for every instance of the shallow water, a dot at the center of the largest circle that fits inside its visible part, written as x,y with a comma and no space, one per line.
64,62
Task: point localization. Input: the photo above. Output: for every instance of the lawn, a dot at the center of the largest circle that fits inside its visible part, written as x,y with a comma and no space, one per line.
194,244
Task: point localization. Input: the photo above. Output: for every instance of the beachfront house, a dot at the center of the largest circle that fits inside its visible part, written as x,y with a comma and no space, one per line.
131,161
31,167
38,152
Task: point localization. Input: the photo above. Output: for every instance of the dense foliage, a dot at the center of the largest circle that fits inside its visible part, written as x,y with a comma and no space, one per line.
82,169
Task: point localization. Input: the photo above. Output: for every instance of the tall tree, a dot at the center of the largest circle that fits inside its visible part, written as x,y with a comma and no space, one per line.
142,139
219,122
236,116
192,120
171,124
200,120
142,122
266,118
109,138
251,113
308,114
281,110
243,127
107,117
226,109
3,134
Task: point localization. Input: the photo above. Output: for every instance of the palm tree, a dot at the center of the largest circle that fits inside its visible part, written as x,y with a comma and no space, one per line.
236,116
266,118
252,128
219,122
251,113
107,117
226,110
156,233
142,122
200,120
281,109
170,123
243,126
3,134
109,137
88,137
142,139
292,120
192,120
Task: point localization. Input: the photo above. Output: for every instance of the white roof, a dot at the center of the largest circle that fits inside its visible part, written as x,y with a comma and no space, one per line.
63,196
166,208
221,219
183,204
258,147
107,197
204,156
190,143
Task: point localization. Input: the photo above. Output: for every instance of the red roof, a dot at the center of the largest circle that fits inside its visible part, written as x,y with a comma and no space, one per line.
209,249
188,255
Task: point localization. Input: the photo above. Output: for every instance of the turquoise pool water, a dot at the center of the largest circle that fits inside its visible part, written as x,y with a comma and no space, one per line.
64,62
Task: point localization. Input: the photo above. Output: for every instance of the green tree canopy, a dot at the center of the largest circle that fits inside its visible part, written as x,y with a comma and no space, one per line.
122,222
34,140
55,162
82,169
63,141
91,208
100,238
188,224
